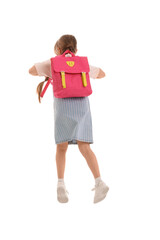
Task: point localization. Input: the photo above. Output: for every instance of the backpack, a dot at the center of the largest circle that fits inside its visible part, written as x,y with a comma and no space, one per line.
70,76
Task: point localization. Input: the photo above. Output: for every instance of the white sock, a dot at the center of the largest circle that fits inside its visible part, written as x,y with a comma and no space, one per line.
60,181
97,180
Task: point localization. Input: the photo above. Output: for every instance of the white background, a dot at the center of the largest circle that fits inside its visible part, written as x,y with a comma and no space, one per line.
123,38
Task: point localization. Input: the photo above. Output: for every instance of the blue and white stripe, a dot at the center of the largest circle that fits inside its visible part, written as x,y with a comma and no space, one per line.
72,120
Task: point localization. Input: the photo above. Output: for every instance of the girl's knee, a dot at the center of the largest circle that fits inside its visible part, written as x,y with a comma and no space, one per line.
84,147
62,147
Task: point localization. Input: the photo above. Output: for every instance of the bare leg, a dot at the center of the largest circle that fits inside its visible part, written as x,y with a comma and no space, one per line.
90,157
61,158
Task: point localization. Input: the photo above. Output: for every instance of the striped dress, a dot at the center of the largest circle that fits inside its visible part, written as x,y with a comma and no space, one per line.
72,116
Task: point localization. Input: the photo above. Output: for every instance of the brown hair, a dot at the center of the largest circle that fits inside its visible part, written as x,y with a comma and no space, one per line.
65,42
39,88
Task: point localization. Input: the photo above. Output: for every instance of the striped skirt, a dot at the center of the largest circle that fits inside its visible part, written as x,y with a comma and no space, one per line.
72,120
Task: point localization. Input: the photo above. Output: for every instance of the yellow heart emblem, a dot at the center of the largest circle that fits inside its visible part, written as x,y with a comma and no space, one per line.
70,63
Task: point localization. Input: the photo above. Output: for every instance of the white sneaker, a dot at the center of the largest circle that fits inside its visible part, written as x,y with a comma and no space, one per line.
62,193
101,190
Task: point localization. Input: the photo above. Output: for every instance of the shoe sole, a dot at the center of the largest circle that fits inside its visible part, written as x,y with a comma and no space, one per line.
105,193
61,195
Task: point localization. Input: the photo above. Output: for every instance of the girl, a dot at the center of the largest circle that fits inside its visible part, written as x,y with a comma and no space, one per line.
72,122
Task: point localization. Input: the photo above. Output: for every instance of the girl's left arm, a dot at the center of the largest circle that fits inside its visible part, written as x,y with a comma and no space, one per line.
33,71
41,69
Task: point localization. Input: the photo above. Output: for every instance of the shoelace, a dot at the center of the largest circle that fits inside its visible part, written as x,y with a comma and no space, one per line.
96,186
66,190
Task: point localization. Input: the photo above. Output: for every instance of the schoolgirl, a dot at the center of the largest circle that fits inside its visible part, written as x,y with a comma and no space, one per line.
72,122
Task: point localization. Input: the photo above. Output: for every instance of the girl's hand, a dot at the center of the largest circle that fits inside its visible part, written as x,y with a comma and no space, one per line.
101,74
33,71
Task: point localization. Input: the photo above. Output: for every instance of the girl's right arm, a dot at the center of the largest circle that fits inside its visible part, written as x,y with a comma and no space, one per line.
96,72
101,74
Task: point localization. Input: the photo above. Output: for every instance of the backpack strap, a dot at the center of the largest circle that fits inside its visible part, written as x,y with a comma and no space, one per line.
84,80
68,51
46,86
63,79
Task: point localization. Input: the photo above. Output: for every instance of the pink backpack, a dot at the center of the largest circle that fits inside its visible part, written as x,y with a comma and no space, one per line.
70,76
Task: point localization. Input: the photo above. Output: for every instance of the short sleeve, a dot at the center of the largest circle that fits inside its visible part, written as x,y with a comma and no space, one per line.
94,71
44,68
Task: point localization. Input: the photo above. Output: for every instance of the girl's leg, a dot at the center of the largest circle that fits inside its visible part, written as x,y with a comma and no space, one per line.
61,158
101,188
90,157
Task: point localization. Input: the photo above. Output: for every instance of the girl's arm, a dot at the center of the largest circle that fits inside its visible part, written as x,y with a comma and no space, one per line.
41,69
96,72
33,71
44,70
101,74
